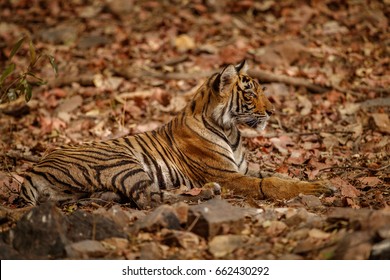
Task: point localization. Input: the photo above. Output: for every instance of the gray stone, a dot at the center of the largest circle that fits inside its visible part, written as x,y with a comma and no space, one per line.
381,250
40,233
311,201
150,251
223,245
82,225
162,217
7,252
86,249
178,238
215,217
354,246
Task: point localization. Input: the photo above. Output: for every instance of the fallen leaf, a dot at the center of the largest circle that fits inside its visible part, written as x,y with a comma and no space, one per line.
222,245
297,157
305,104
281,143
346,188
349,108
382,122
184,43
193,191
370,181
70,104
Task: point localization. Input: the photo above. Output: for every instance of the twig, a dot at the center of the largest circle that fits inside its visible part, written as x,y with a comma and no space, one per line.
18,155
355,167
84,80
266,76
191,226
318,132
170,62
375,89
263,76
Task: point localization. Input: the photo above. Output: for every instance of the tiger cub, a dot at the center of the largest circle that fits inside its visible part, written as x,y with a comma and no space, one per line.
201,145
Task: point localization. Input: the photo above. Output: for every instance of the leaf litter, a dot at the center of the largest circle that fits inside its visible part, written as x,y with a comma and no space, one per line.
341,135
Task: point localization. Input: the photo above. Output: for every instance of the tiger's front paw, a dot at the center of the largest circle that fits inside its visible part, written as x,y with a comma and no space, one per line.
278,188
315,188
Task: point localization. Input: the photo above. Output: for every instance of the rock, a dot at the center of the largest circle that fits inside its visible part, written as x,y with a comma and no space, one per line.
215,217
318,234
305,246
86,249
291,257
7,252
82,225
41,233
120,7
354,246
275,228
91,41
311,201
363,219
378,219
162,217
184,239
115,243
384,232
298,234
64,33
181,209
381,250
122,217
296,219
44,232
354,216
150,251
222,245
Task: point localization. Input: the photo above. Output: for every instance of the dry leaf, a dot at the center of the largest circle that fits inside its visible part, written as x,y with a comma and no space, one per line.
382,122
370,181
306,104
193,191
297,157
346,188
281,143
184,43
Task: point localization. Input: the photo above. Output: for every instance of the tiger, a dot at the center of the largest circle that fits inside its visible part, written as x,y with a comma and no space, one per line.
201,145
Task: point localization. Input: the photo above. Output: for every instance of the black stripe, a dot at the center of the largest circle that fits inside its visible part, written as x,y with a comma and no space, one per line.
163,157
129,173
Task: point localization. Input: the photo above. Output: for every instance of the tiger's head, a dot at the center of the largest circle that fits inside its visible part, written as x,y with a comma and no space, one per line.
239,99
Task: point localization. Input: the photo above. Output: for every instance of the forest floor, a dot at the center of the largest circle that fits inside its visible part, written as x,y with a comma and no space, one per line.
130,66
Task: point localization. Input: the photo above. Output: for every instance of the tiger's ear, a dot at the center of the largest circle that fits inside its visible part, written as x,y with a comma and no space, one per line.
242,68
227,77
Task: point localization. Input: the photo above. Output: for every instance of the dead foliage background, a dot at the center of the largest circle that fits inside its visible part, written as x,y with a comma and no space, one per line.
130,66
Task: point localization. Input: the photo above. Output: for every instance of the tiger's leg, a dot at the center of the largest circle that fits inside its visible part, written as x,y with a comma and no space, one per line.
288,187
37,188
272,187
281,188
133,182
69,182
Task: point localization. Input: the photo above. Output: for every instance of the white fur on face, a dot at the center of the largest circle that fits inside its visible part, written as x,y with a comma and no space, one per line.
222,115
